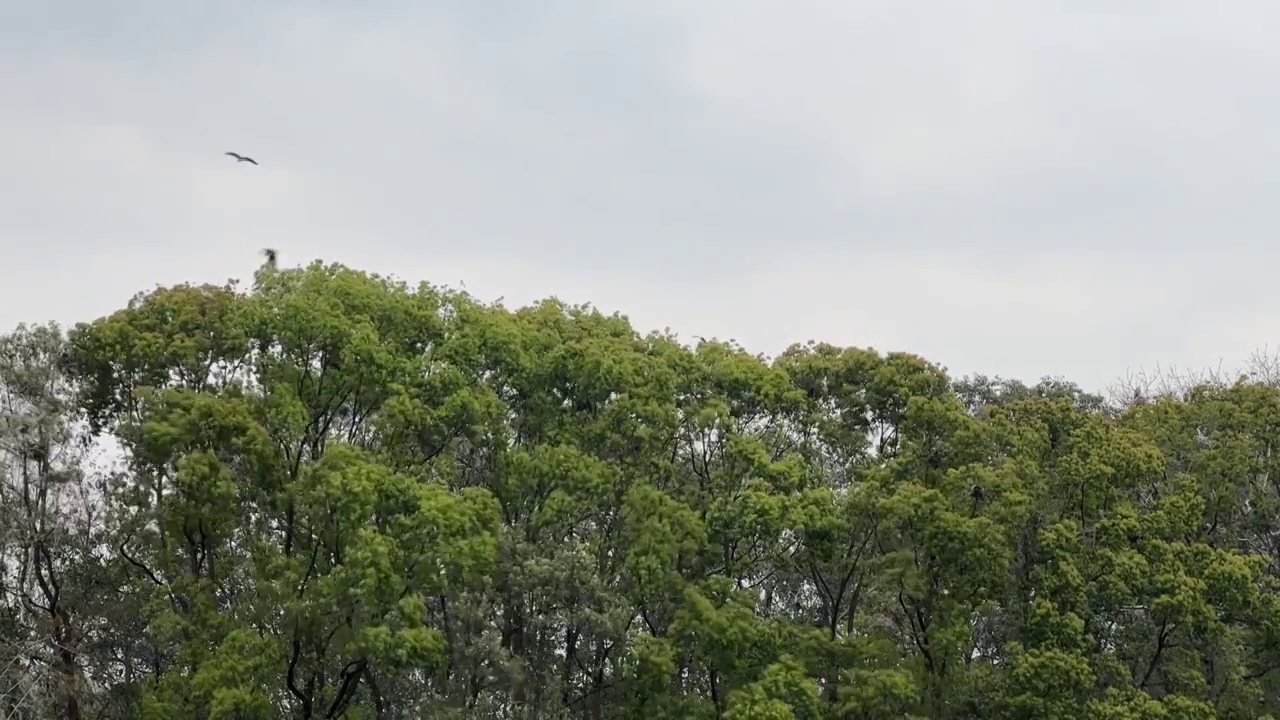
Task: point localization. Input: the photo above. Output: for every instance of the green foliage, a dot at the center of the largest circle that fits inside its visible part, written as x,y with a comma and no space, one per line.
340,496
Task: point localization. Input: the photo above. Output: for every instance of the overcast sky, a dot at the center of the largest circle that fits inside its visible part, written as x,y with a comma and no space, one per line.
1019,188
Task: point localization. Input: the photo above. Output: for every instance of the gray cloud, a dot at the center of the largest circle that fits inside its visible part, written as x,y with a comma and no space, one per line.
1016,188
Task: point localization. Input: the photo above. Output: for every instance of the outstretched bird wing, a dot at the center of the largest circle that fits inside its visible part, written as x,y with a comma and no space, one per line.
242,158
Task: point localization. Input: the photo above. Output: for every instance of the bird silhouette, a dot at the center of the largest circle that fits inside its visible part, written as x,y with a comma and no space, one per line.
242,158
271,257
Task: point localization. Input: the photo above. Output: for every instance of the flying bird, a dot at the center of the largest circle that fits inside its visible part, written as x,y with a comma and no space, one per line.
242,158
271,257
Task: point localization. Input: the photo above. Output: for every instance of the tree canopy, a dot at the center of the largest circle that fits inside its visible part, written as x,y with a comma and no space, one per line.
333,495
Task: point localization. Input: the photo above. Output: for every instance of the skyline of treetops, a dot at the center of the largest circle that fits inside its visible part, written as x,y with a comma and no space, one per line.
335,495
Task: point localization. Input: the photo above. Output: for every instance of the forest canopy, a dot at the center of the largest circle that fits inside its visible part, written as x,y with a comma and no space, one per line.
333,495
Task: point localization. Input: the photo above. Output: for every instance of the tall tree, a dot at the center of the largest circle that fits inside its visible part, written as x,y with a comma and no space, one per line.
339,496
